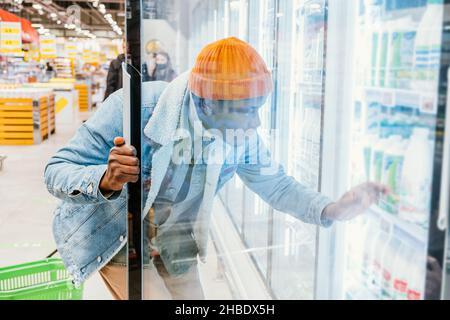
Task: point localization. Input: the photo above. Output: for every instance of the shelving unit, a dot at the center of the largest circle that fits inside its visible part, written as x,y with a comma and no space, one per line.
416,231
52,113
26,120
84,99
64,68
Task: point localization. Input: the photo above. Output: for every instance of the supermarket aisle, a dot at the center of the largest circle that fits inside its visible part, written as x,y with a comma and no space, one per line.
25,225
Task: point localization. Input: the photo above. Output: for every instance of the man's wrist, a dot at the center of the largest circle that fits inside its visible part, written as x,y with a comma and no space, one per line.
327,213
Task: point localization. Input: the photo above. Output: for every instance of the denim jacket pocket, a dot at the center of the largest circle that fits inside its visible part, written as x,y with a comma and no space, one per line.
98,218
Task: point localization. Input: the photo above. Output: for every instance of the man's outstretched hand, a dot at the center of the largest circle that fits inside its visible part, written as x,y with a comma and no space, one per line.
123,167
355,202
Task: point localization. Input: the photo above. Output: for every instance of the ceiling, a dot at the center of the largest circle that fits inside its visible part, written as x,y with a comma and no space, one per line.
72,18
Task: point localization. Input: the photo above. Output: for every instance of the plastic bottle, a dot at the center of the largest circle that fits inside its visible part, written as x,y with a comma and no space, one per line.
371,233
391,252
377,260
359,228
400,274
428,47
384,54
417,177
374,58
392,170
369,142
417,274
401,53
373,10
377,159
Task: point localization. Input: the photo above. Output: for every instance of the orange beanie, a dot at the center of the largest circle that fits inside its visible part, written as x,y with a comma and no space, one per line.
230,69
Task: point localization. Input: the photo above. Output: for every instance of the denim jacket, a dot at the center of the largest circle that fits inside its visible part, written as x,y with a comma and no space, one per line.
89,230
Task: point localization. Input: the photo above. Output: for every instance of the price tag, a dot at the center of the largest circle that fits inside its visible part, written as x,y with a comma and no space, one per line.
10,38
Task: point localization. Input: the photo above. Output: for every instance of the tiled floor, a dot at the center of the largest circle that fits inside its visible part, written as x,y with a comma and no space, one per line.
26,210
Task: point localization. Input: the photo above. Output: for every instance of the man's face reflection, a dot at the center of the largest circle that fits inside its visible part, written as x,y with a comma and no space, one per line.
228,114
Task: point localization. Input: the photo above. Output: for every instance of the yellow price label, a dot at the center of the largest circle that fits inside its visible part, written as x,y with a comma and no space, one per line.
48,41
47,50
14,50
10,30
10,43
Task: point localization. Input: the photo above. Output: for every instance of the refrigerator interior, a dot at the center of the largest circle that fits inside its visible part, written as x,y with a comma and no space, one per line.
394,138
290,36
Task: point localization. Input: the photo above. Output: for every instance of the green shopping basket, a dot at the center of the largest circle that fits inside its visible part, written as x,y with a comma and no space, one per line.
40,280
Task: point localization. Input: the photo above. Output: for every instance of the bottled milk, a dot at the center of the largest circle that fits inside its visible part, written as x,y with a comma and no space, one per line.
403,261
390,253
381,242
428,47
392,167
371,232
416,177
417,273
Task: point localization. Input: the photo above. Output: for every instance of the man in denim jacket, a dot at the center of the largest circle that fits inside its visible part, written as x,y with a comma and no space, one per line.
199,131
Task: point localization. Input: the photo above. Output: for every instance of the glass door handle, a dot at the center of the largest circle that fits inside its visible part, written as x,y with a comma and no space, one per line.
445,180
132,135
126,80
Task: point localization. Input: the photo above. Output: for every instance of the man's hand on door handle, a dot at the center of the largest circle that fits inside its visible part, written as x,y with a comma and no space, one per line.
123,167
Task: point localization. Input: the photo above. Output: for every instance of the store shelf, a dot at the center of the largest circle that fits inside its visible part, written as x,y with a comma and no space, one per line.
360,293
414,230
25,120
64,68
52,113
391,97
84,104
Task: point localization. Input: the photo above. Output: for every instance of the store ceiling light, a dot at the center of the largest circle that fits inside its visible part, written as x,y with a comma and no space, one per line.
37,6
58,22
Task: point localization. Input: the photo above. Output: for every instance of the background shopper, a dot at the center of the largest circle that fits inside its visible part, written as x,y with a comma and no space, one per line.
158,68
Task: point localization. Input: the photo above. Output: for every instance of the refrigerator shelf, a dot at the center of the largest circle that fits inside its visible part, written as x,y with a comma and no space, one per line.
416,231
360,292
392,97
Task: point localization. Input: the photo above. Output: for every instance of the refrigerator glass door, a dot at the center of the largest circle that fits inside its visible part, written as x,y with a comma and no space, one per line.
298,123
395,251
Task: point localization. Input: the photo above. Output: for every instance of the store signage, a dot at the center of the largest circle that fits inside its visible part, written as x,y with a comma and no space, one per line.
71,50
11,39
48,46
86,55
91,56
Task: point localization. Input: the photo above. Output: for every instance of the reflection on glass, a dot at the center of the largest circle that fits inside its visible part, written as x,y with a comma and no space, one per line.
300,103
280,248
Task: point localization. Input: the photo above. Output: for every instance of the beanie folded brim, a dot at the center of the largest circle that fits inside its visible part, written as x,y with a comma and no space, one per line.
237,89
